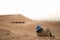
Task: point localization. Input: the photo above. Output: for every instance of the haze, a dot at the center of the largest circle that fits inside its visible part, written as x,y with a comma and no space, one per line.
33,9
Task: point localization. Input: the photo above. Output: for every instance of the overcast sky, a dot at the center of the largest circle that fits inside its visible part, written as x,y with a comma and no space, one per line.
33,9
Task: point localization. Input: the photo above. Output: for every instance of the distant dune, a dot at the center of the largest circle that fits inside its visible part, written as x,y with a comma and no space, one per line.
19,27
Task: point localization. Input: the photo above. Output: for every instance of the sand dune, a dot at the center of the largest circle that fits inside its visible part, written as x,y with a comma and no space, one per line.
27,30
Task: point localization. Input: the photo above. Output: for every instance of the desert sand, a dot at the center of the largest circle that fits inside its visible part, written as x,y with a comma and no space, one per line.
10,30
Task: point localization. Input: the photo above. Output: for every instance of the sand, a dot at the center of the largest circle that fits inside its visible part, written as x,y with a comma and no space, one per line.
27,30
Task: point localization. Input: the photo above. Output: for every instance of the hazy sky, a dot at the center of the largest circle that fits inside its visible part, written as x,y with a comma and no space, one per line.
34,9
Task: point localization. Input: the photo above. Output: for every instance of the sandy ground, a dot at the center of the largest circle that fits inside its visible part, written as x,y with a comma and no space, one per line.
27,30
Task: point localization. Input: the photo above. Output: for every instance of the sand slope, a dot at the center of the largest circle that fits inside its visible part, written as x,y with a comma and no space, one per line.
27,30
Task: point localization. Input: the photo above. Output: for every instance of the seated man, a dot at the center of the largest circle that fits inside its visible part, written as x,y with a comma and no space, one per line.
43,33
